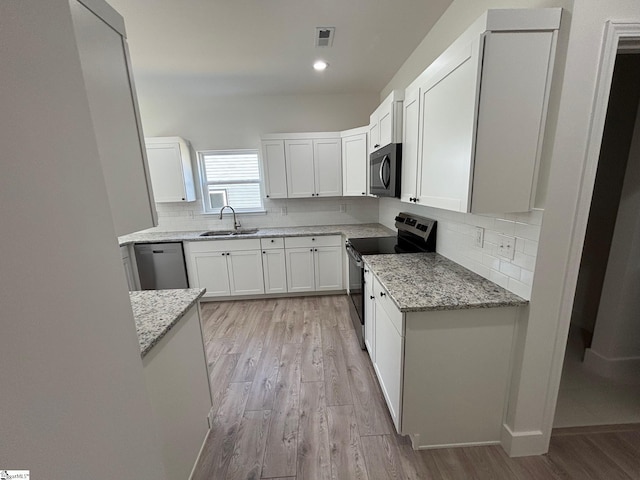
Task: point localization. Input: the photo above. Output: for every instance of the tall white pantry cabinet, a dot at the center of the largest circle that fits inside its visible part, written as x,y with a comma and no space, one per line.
104,57
474,119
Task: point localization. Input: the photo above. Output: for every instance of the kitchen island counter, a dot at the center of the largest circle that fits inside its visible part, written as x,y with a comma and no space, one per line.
418,282
156,312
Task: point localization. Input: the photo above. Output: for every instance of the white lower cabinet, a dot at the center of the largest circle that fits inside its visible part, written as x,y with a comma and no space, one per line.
314,263
444,374
274,265
369,315
225,267
129,269
389,362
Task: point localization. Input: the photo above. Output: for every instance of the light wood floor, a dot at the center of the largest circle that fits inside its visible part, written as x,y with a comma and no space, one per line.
297,399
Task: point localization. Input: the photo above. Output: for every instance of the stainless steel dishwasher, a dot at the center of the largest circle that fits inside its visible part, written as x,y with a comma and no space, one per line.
161,265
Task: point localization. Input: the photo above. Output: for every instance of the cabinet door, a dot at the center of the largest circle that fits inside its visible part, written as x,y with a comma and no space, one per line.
449,114
128,268
209,270
167,174
328,268
275,274
369,320
354,165
245,272
327,159
300,272
410,141
114,112
385,122
388,362
300,178
374,133
274,168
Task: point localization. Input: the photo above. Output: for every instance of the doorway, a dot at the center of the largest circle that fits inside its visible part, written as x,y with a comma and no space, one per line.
600,382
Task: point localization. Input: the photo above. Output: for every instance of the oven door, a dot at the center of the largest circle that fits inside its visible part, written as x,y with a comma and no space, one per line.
356,293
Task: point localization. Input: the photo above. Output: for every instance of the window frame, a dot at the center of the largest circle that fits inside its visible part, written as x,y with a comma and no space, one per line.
205,183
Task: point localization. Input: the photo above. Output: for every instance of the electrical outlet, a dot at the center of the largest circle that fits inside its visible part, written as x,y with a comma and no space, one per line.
343,208
283,211
479,238
506,246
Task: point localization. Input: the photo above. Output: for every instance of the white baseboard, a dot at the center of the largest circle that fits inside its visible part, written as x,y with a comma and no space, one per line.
621,368
523,444
204,442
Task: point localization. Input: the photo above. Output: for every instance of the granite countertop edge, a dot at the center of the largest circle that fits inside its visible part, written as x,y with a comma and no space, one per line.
362,229
454,292
149,319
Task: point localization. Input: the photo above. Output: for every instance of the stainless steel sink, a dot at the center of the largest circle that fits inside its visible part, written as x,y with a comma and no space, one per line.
229,233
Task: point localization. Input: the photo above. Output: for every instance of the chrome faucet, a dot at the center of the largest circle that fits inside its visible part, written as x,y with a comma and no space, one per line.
236,223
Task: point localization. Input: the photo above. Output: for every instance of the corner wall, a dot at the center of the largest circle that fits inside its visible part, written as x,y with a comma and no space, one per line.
73,403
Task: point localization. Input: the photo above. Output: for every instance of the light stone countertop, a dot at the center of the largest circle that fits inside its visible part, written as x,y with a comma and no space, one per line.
419,282
157,311
350,231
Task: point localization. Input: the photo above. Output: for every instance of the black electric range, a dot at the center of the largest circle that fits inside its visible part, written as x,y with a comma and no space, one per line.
415,234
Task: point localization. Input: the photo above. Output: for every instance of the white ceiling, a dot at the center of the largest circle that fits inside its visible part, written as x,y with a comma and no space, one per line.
267,46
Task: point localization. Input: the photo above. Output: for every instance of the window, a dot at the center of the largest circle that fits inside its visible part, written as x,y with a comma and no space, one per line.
231,177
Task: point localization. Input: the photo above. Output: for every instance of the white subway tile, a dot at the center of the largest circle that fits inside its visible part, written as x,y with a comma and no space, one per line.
509,269
499,278
491,261
491,236
530,232
526,277
525,261
506,227
519,288
530,247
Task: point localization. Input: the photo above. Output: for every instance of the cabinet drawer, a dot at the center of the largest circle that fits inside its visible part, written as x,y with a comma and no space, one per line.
223,245
311,241
384,300
271,243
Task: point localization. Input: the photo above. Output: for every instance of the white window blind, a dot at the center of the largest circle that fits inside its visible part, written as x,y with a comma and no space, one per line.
231,177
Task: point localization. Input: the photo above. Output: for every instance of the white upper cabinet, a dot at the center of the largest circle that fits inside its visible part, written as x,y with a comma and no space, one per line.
300,171
274,168
482,110
410,146
354,162
385,124
114,111
170,168
327,160
302,165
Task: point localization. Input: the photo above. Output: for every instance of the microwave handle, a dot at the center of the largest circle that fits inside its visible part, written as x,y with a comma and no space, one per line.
386,160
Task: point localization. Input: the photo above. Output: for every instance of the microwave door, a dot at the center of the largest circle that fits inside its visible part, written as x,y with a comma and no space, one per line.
385,172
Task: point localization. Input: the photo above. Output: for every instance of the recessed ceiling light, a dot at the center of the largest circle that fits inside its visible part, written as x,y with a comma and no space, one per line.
320,65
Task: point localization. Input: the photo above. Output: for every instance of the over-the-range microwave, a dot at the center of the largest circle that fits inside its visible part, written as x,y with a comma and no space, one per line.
385,171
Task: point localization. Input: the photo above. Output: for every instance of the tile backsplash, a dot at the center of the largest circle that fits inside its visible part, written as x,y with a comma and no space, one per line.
279,213
456,241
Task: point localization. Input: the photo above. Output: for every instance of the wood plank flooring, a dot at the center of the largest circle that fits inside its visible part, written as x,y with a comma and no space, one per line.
296,399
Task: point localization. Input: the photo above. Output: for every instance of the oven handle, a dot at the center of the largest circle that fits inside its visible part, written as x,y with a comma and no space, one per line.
353,255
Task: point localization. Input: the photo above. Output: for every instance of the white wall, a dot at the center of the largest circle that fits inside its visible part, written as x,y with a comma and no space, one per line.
572,171
616,341
73,400
188,107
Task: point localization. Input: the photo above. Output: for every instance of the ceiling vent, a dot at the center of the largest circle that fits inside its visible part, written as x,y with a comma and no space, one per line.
324,36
